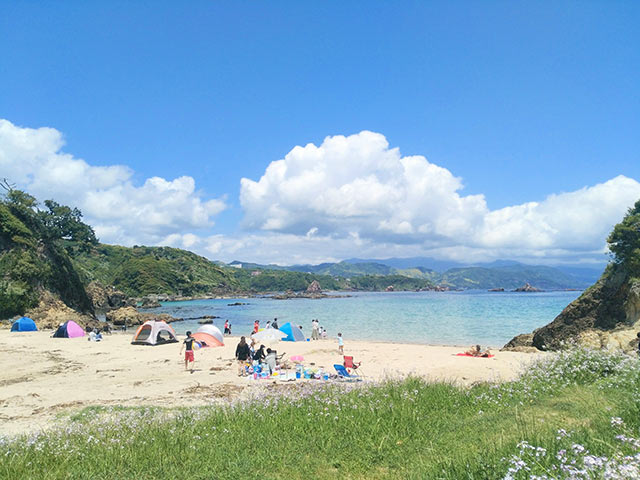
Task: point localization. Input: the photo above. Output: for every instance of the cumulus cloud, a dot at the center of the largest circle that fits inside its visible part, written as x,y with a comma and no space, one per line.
350,196
358,185
120,211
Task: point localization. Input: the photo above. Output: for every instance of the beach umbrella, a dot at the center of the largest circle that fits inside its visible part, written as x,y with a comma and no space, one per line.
269,335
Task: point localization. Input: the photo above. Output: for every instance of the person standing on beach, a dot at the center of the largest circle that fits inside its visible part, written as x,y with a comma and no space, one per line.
275,323
340,344
242,354
188,353
314,329
227,327
256,326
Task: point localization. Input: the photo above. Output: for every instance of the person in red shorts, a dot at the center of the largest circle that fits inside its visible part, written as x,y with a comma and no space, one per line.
188,353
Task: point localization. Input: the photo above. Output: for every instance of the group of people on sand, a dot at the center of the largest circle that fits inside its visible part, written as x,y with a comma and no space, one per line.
317,331
251,358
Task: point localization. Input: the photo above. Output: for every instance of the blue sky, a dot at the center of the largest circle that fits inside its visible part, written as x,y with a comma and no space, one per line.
519,100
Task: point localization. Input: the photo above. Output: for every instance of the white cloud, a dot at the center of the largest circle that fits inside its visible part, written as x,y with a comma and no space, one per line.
357,185
350,196
120,211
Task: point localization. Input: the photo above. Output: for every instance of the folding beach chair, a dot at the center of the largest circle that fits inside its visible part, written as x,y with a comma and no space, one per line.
349,364
342,373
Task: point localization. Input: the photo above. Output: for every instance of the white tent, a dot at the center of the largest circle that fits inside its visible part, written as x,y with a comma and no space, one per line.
154,332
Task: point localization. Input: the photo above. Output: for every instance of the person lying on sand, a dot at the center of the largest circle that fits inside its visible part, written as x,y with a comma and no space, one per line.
476,351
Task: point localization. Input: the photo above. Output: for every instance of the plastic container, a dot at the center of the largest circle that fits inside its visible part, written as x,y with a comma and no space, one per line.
298,374
325,376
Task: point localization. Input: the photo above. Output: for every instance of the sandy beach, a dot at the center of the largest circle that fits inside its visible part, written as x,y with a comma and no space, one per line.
43,377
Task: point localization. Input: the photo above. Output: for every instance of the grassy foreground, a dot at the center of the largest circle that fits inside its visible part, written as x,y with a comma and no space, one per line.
574,415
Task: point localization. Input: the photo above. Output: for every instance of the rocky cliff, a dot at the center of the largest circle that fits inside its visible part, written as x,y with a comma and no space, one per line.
607,315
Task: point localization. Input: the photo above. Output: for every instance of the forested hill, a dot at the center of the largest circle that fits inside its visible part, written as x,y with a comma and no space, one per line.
508,276
141,271
33,260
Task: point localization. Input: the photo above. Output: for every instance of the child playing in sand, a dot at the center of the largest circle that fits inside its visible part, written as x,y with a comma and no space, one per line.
340,344
188,353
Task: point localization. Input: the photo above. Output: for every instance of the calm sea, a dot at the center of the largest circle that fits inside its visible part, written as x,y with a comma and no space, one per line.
446,318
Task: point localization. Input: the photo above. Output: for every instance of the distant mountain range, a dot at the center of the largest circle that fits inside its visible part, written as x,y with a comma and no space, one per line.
507,274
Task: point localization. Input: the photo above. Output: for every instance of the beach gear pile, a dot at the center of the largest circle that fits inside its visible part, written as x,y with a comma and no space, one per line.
262,371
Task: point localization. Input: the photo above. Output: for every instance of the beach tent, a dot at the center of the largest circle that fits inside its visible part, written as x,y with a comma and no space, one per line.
69,329
206,340
154,332
294,334
24,324
214,332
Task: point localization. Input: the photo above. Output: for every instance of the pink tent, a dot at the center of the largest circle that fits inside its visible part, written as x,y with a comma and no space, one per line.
69,329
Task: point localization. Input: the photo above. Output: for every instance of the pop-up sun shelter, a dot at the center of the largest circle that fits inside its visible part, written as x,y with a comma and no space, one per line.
154,332
294,334
209,336
69,329
24,324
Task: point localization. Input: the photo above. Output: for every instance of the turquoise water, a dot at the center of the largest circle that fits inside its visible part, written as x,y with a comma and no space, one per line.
446,318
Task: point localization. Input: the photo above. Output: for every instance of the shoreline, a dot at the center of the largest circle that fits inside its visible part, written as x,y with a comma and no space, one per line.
43,378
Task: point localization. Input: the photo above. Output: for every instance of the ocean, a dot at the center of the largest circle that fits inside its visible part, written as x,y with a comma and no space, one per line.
441,318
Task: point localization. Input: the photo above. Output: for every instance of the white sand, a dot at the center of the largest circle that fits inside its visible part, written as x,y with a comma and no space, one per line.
41,377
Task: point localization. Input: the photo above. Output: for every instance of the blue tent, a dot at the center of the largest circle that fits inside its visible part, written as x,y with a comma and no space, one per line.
294,334
24,324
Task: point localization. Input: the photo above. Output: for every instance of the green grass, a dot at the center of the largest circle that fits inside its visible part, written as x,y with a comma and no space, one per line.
562,409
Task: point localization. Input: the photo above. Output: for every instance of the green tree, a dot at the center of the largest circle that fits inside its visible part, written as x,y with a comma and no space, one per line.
66,223
624,240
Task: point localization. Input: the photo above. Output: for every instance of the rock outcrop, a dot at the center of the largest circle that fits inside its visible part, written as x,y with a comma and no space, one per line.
314,287
527,288
51,312
106,298
606,315
130,316
150,302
